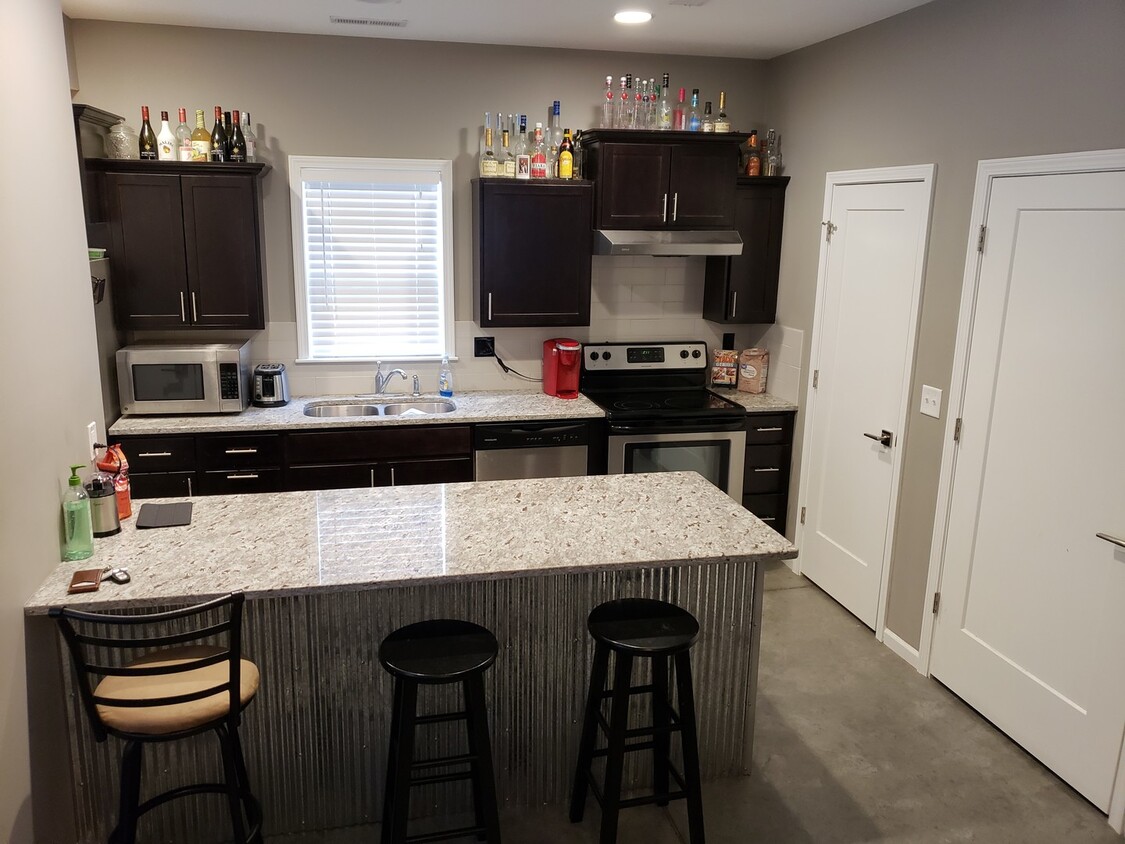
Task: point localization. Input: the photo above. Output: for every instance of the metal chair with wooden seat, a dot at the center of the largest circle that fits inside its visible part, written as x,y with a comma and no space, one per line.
158,687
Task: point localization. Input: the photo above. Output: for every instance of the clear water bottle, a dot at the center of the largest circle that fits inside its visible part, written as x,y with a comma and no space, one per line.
78,528
445,379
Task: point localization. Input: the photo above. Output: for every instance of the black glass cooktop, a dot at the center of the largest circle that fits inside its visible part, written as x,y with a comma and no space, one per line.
658,404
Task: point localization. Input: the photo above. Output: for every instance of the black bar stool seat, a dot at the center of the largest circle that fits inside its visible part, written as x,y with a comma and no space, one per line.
639,628
439,652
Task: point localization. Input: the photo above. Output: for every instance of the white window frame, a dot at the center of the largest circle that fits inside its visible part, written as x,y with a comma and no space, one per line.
303,168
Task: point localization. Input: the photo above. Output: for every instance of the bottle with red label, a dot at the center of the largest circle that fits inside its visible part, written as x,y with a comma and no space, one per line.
539,154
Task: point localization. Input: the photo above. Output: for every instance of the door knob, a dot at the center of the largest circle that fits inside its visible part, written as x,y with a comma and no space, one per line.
884,439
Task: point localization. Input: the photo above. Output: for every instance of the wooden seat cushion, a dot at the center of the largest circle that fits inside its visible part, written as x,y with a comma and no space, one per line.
173,718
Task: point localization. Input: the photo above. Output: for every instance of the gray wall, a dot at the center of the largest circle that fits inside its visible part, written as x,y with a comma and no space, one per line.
48,369
951,82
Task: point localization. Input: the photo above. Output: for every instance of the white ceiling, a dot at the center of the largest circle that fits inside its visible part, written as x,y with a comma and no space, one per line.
756,29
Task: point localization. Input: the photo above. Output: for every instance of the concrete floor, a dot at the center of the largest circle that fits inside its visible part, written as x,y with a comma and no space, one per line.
852,745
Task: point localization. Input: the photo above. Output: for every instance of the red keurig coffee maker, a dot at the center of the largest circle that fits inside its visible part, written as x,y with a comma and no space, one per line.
562,360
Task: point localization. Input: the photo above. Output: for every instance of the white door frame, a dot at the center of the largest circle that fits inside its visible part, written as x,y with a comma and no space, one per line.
923,173
1038,165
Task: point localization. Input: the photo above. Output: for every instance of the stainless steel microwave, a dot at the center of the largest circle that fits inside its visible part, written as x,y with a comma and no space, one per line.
183,378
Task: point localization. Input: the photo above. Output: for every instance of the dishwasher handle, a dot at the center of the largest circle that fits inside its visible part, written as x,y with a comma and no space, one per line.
525,435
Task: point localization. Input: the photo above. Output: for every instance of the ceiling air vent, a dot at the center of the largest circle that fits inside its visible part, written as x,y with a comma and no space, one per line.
365,22
687,2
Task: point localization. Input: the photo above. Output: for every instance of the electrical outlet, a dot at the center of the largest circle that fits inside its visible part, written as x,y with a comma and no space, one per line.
484,347
92,435
931,401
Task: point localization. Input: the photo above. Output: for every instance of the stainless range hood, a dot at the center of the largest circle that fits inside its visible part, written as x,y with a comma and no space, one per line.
666,243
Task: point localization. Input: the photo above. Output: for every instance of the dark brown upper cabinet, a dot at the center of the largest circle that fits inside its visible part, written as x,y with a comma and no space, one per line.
743,288
532,245
186,243
662,180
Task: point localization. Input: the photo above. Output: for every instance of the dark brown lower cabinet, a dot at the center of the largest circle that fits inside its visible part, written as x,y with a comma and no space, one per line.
765,479
161,484
445,470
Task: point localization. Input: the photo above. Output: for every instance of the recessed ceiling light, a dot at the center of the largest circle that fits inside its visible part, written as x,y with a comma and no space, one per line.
633,16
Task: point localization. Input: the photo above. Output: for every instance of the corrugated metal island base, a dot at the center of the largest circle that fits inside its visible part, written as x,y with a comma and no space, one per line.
328,575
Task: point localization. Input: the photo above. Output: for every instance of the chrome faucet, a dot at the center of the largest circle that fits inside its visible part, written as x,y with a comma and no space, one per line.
417,391
381,379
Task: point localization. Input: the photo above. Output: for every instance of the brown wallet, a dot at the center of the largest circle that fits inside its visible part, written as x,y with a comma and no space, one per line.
86,580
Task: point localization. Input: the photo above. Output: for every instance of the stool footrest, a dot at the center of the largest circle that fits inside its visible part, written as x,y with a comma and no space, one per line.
445,835
463,759
441,718
633,690
652,798
434,779
673,727
642,745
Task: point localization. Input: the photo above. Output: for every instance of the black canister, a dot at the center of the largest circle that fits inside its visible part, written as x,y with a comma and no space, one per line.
103,505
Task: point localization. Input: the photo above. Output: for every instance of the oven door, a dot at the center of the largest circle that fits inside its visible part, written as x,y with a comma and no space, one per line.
718,455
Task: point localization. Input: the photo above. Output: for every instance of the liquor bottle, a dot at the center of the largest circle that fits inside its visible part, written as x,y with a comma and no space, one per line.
147,140
507,159
218,137
773,153
579,154
539,154
664,116
237,141
708,124
165,140
251,138
200,139
650,109
483,131
566,157
722,122
489,166
183,138
554,140
693,121
678,120
638,115
227,129
753,156
625,101
607,104
523,151
556,124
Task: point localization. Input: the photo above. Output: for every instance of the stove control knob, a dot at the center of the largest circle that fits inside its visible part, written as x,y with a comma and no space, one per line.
683,353
696,354
594,355
606,355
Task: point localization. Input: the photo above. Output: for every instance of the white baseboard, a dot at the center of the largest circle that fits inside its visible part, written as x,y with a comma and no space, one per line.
900,647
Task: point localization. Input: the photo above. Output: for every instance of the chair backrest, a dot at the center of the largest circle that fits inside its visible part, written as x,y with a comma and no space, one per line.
120,639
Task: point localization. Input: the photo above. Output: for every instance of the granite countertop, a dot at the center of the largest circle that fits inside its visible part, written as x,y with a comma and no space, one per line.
476,406
292,543
755,402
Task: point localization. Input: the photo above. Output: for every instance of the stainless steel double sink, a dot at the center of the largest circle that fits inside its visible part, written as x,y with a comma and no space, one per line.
395,408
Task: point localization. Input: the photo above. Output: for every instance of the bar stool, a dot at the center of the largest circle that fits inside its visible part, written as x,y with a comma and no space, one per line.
436,653
167,694
639,628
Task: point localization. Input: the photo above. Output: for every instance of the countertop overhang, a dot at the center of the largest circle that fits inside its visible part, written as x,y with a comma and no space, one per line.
292,543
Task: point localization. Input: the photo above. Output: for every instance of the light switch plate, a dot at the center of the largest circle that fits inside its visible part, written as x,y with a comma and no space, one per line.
931,401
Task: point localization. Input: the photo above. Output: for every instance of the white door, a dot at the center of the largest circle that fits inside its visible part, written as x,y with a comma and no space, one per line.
1031,625
868,298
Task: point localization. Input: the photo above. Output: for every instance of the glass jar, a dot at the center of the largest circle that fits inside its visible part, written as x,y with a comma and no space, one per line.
122,142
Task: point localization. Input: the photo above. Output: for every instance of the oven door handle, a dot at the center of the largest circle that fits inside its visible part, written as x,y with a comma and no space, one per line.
668,426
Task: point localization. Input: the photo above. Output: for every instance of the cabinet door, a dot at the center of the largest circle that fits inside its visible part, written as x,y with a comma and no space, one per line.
532,263
446,471
149,272
743,288
161,484
220,233
337,476
633,188
702,185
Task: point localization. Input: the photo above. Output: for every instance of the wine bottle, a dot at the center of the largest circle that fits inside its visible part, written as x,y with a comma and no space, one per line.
607,104
708,124
237,140
664,118
147,140
200,139
165,140
566,157
539,155
722,122
678,121
251,138
184,149
693,121
227,129
218,137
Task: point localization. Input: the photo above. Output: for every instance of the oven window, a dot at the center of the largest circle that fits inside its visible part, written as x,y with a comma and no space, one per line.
709,458
168,382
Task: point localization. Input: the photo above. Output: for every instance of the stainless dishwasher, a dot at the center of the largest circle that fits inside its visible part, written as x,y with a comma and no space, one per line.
530,450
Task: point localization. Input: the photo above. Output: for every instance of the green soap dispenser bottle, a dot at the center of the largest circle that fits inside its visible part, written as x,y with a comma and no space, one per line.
78,529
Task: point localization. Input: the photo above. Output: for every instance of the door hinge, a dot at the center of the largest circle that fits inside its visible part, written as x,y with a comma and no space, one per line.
815,378
829,228
957,430
802,515
980,239
937,601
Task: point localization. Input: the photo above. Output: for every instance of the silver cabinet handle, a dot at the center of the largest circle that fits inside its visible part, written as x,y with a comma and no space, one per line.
1112,540
155,454
489,306
392,476
243,476
768,430
189,493
664,212
194,313
242,451
675,205
768,469
183,311
372,477
733,303
768,518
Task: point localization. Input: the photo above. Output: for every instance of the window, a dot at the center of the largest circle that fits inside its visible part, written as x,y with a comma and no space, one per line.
372,258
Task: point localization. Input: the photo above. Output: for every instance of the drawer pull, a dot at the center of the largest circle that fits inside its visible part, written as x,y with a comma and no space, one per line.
768,430
242,451
768,469
767,518
242,476
1112,540
155,454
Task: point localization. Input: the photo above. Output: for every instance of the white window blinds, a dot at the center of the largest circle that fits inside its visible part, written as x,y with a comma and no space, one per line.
372,267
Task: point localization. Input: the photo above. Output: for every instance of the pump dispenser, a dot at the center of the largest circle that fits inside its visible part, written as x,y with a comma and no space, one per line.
78,531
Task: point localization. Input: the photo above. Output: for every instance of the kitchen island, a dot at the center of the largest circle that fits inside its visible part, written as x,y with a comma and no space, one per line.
329,574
